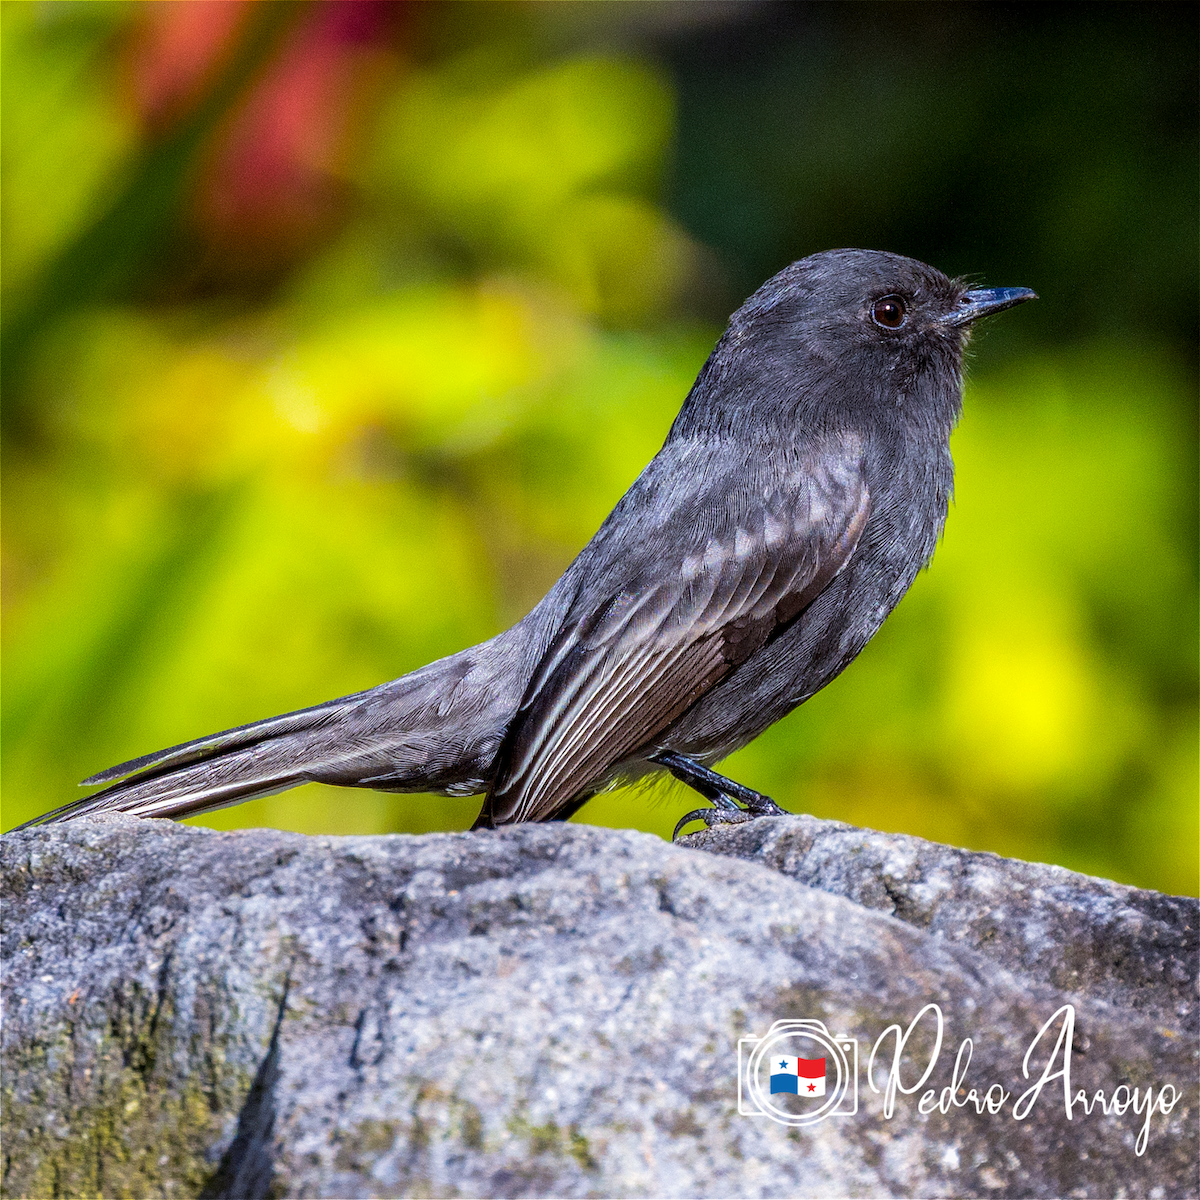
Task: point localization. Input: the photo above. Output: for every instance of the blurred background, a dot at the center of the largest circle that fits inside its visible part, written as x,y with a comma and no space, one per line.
331,332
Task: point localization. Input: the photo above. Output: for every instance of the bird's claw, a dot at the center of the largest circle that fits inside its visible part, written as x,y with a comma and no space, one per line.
722,793
713,816
729,813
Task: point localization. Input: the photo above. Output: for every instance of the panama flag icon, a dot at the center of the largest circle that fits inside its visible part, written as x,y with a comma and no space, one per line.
800,1076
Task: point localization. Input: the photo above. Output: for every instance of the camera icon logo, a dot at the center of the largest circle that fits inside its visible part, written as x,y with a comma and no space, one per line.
798,1074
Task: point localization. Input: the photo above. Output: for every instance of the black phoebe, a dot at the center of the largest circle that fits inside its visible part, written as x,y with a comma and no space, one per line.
803,485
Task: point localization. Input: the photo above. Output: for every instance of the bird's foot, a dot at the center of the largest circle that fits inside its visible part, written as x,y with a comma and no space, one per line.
726,812
723,793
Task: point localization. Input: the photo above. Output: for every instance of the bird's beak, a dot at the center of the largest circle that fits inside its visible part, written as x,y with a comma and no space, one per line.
983,301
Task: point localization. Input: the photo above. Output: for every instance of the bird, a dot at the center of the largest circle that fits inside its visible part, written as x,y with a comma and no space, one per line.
801,488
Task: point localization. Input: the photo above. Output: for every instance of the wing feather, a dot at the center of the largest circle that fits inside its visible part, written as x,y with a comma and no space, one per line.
629,660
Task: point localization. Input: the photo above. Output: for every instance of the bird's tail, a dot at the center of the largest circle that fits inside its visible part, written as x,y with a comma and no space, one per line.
436,730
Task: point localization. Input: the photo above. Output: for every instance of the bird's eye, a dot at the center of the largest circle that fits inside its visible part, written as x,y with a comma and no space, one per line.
889,311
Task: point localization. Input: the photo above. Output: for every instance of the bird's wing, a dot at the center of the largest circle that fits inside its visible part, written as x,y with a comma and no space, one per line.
634,655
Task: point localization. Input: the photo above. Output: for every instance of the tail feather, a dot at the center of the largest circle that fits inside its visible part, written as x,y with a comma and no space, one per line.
436,730
217,771
189,796
209,746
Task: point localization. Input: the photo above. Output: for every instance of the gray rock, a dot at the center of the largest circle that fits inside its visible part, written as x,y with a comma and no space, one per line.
1133,948
556,1010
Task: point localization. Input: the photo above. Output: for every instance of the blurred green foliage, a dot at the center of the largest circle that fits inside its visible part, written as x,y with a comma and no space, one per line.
364,391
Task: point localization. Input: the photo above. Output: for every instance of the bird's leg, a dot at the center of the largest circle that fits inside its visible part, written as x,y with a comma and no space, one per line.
724,794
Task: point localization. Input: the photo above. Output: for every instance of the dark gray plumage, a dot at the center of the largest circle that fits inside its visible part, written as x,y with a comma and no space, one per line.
803,485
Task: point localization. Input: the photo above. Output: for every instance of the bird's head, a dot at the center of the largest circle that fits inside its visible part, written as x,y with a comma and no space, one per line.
845,333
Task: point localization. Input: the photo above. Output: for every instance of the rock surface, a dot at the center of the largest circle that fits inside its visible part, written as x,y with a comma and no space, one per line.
556,1010
1133,948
